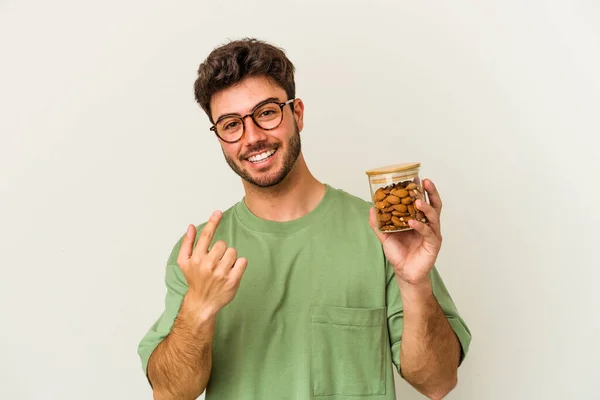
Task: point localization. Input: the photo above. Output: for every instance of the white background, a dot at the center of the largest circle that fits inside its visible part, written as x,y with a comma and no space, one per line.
105,158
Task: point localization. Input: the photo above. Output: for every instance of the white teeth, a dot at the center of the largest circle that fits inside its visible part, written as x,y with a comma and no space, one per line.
261,156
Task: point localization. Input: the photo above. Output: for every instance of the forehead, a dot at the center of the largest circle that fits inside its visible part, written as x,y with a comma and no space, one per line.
243,96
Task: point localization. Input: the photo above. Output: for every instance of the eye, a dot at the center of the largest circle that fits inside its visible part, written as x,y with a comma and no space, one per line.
266,113
232,125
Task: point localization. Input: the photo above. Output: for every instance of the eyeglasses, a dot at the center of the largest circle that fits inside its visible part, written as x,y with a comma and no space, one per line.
268,116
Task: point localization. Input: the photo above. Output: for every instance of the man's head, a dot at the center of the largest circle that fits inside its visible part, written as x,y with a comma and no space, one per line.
252,77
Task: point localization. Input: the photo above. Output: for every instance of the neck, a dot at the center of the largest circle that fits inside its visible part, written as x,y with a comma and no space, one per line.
298,194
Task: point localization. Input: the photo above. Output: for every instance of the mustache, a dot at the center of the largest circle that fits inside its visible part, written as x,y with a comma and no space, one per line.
258,149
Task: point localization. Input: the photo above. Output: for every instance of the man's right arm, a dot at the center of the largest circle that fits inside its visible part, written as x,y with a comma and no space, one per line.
179,367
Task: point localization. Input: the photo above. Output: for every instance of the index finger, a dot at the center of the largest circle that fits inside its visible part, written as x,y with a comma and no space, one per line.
208,232
434,196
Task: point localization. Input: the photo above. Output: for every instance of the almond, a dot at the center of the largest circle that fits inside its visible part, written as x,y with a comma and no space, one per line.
379,195
396,221
385,217
407,200
392,199
401,207
381,205
411,186
400,193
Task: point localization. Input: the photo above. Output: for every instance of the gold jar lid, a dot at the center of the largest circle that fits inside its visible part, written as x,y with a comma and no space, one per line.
388,169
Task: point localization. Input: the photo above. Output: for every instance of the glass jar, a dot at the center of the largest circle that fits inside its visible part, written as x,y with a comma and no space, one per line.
394,189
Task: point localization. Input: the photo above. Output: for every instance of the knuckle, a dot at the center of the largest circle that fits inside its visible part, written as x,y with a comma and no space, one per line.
220,245
209,262
206,234
232,251
232,284
197,259
219,274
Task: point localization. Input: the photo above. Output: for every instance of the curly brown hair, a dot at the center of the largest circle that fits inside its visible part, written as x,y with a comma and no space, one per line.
230,63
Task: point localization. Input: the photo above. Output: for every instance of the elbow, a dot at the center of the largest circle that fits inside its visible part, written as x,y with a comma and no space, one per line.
190,390
161,394
440,391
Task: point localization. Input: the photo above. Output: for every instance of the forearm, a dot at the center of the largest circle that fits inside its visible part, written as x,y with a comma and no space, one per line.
430,350
180,366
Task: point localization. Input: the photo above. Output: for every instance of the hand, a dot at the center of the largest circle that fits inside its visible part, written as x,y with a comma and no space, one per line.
214,276
413,253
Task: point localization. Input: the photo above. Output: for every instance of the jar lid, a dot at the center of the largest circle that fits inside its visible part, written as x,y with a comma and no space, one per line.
393,168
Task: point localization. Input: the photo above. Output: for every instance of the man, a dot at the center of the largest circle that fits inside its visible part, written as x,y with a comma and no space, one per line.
292,293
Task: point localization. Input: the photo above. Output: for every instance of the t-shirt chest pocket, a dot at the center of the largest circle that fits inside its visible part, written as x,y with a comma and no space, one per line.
348,352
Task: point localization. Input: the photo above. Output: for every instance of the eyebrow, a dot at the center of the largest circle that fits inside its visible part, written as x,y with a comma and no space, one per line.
265,101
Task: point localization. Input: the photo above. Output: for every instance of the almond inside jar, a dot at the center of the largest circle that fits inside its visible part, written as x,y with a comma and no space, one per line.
394,205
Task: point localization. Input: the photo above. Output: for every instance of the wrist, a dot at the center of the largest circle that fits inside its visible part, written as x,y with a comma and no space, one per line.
199,312
415,293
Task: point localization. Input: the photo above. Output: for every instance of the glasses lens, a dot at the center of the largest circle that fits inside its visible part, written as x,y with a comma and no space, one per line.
230,128
268,116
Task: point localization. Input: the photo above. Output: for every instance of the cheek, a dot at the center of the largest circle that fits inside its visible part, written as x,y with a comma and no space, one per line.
231,151
287,131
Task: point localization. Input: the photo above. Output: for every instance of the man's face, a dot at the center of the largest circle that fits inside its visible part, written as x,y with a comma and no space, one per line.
283,140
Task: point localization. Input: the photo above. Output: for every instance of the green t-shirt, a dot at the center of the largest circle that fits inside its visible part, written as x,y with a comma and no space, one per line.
318,311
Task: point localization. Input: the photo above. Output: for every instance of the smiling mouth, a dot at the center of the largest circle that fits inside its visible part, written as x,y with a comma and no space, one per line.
265,155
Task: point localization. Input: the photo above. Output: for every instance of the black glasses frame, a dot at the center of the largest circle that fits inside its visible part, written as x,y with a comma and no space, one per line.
251,115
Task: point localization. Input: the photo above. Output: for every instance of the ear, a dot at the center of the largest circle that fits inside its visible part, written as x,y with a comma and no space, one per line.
299,113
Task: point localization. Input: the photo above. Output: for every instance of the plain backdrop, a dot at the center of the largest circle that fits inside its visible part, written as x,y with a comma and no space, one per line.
105,158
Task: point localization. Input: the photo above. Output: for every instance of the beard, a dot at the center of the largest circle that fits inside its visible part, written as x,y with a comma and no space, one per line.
272,178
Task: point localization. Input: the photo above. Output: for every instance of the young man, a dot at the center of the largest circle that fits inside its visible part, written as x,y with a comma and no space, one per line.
292,293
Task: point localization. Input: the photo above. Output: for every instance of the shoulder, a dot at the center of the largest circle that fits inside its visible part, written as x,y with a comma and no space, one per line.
349,216
351,202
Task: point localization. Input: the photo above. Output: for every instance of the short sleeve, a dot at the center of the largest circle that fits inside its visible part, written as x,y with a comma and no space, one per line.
395,313
176,289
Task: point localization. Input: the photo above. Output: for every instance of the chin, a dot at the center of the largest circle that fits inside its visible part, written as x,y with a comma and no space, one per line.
267,182
266,179
272,173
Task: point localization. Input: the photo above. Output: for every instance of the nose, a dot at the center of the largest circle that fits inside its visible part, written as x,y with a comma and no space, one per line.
254,133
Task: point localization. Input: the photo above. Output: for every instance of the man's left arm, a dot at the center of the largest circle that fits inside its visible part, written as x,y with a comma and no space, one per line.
430,351
428,337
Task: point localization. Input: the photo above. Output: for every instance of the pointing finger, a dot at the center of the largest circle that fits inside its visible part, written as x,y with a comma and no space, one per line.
433,194
208,232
